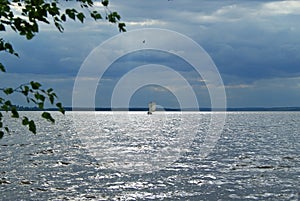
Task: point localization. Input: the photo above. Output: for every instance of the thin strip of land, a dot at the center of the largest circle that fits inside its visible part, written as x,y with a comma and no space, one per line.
21,108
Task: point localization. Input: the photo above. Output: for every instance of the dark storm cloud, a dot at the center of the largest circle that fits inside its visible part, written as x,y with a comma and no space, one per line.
143,57
251,42
249,39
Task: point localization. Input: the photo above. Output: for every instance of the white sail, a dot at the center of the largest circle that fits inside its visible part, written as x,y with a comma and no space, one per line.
151,107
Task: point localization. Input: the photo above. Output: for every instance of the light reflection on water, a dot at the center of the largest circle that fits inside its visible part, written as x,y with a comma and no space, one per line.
256,158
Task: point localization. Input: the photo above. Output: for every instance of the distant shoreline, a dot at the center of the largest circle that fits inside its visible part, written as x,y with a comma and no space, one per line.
242,109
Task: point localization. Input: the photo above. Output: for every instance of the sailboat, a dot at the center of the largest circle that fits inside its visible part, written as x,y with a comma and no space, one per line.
151,107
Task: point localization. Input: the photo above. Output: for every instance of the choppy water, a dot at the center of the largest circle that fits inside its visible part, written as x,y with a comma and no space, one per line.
257,157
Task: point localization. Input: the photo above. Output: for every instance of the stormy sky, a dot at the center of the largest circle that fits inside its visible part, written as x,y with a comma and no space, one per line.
255,46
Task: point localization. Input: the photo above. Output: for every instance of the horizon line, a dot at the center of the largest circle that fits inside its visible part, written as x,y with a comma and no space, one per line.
288,108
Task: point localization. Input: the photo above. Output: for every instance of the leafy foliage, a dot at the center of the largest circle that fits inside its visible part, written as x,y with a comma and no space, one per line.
33,93
26,23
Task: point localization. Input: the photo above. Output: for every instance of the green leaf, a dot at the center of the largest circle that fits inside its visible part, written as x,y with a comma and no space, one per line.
59,105
81,17
2,68
25,90
122,27
59,27
113,17
71,13
54,10
14,112
25,121
95,15
8,103
51,99
47,116
41,105
49,90
54,95
35,27
90,2
105,3
35,85
5,108
9,48
6,129
2,27
32,127
39,97
63,17
60,108
8,91
29,35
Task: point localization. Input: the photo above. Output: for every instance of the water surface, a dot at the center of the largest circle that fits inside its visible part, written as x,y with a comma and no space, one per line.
257,157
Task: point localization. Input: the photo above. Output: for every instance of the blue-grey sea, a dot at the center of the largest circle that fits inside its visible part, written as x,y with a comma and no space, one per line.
135,156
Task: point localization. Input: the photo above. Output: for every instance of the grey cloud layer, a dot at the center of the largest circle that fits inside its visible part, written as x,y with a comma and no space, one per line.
251,42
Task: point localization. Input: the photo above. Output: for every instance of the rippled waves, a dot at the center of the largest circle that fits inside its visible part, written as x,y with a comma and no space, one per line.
256,158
